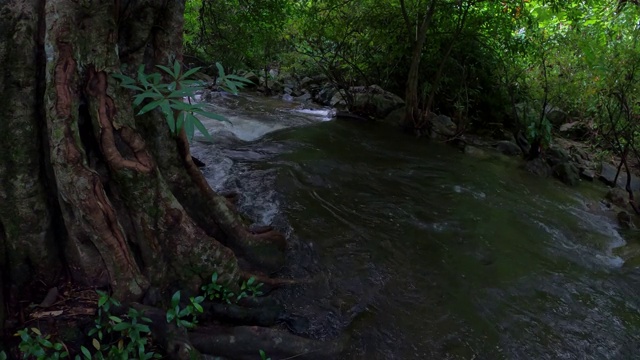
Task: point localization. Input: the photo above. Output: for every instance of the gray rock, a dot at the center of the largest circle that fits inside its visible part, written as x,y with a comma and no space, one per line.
556,116
538,167
588,174
304,97
618,197
305,82
508,148
567,173
443,126
576,130
287,97
338,100
625,221
374,101
608,174
556,155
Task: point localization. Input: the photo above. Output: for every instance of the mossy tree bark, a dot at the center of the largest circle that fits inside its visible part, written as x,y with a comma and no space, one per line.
86,188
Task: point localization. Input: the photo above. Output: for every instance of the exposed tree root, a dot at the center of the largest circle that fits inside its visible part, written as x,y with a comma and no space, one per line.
229,313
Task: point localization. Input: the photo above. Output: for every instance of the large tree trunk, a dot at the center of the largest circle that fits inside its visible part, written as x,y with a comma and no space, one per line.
86,188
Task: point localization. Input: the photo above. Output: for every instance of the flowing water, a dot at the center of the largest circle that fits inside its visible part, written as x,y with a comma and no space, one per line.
420,252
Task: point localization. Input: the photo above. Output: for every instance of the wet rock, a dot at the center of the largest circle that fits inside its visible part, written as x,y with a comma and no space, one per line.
588,174
304,97
576,130
556,155
625,221
618,197
443,127
608,174
374,101
508,148
475,152
567,173
538,167
339,100
556,116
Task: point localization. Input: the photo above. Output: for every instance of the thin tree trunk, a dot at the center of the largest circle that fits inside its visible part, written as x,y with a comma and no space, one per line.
412,106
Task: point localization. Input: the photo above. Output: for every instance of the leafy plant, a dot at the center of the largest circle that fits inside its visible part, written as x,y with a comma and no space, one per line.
215,291
250,288
118,337
34,345
169,97
179,315
263,355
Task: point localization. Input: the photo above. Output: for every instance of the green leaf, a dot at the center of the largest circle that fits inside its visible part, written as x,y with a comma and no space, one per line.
176,69
121,326
220,69
201,128
181,93
180,105
85,352
211,115
132,87
170,316
175,299
152,105
191,72
189,128
165,69
115,319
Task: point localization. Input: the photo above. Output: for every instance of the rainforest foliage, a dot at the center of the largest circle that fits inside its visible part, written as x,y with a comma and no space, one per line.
484,63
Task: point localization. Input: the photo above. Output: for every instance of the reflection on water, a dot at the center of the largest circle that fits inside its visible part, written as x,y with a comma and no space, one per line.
419,252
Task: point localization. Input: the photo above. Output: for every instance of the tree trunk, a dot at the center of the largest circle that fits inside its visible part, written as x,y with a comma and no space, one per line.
86,188
412,105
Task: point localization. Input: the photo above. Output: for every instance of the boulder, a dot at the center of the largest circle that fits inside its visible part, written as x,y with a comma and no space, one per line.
625,221
374,101
339,100
305,82
325,94
538,167
277,87
556,155
508,148
608,174
567,173
442,127
304,97
556,116
576,130
588,174
618,197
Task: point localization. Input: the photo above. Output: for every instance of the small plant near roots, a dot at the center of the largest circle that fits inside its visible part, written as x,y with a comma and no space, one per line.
117,337
34,345
169,97
263,355
221,292
180,315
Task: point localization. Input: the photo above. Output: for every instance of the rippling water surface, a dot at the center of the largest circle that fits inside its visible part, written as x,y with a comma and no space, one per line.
419,252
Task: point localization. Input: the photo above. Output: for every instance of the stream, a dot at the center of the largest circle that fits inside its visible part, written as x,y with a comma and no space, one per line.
418,251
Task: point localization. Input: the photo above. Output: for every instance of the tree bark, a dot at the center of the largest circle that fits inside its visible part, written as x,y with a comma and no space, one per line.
412,105
86,188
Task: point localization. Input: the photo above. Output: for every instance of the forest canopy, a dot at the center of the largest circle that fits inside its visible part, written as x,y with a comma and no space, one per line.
483,63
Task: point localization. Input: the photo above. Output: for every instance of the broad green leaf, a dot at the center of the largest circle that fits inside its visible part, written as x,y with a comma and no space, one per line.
176,69
168,114
189,128
152,105
179,105
175,299
211,115
201,128
191,72
220,69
